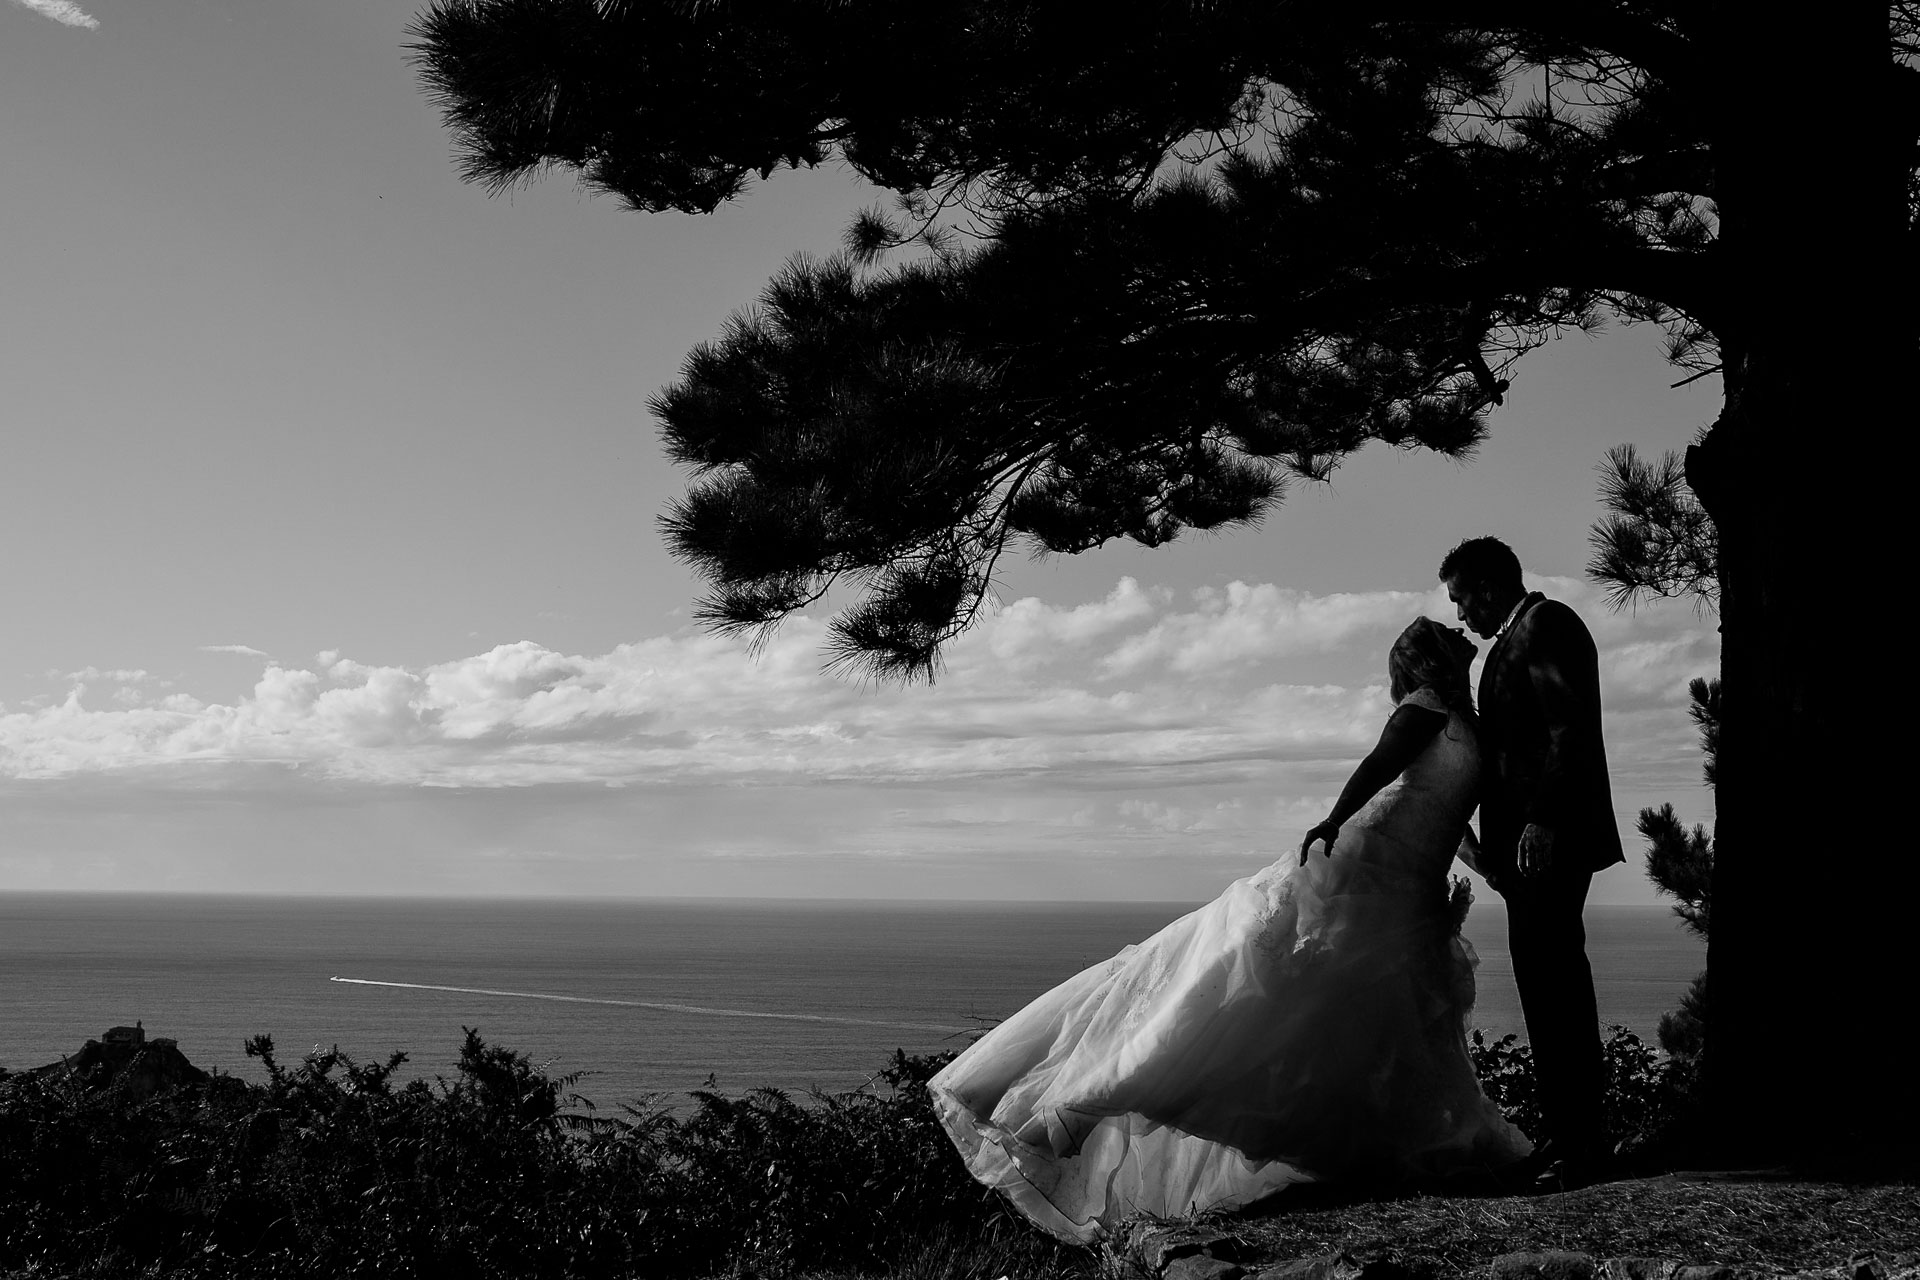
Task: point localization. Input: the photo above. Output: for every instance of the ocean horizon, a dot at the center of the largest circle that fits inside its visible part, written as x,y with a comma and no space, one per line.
643,997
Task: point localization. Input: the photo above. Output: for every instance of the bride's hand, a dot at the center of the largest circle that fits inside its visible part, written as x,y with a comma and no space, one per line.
1328,831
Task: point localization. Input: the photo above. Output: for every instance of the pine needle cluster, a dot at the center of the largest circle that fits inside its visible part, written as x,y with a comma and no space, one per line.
1656,539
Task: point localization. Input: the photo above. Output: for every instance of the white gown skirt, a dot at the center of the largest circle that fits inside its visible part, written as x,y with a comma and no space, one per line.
1308,1024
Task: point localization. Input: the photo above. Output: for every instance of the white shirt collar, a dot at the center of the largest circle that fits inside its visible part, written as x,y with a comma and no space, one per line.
1506,626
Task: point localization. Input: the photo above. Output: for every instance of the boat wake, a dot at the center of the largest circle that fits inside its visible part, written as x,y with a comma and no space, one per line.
705,1011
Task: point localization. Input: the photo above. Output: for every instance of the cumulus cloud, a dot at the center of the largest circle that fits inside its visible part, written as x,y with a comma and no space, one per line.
244,650
1241,623
1148,742
65,12
1138,688
1029,633
117,675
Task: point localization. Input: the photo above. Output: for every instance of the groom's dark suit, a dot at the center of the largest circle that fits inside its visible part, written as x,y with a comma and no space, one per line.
1543,762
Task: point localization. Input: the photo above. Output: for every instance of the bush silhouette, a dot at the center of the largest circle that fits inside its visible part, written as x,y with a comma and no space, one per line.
331,1169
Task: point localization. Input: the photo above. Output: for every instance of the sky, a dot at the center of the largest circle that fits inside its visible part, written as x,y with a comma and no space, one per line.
332,564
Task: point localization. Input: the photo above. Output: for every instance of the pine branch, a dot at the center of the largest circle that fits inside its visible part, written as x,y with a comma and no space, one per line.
1656,540
1704,710
1680,864
1587,26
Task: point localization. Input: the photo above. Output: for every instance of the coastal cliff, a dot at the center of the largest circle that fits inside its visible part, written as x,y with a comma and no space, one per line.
124,1059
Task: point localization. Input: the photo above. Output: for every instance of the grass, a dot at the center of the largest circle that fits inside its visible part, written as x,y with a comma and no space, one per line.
1778,1225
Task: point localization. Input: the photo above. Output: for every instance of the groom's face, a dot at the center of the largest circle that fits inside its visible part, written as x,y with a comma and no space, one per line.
1476,606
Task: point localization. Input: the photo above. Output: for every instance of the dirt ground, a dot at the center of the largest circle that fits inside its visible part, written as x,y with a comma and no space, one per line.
1776,1224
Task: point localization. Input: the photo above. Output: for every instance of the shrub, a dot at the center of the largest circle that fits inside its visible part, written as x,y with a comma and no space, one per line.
1644,1109
328,1169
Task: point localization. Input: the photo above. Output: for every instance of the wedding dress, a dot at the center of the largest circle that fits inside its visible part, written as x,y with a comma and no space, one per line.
1308,1024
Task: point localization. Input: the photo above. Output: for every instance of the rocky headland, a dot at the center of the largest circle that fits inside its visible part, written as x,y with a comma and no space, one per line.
124,1058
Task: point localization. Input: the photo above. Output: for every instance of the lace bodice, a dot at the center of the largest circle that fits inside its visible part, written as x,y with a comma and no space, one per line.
1422,813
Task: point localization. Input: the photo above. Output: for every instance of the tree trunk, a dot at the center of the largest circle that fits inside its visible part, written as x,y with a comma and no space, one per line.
1810,970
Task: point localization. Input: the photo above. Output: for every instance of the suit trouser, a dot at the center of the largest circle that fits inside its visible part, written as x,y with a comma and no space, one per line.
1548,941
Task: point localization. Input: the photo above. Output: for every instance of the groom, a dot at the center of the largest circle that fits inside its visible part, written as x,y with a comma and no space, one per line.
1546,825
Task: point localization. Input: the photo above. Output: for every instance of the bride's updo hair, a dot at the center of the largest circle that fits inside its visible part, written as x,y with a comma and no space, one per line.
1435,657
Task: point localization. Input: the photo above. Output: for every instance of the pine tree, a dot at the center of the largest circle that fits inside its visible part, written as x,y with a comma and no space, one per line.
1221,246
1680,864
1656,540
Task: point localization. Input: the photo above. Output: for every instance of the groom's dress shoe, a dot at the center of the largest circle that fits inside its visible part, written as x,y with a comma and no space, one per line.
1532,1165
1569,1173
1561,1175
1552,1167
1517,1179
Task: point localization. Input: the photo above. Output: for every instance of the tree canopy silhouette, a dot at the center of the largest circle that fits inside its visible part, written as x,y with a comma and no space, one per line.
1216,247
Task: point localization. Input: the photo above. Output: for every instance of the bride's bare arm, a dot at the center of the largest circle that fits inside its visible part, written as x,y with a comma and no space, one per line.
1408,731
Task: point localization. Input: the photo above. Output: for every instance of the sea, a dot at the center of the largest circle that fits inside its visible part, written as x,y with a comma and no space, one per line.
645,1000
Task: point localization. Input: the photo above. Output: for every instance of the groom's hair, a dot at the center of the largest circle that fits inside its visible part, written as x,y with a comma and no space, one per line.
1484,562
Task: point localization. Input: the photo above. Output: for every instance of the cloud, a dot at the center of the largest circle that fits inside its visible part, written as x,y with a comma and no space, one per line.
244,650
118,675
1641,672
1029,633
64,12
1241,623
1228,687
1145,744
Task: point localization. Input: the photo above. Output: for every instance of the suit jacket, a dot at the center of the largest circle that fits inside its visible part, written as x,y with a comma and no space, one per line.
1542,758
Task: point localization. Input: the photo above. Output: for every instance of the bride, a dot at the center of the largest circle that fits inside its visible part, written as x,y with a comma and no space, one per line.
1308,1024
